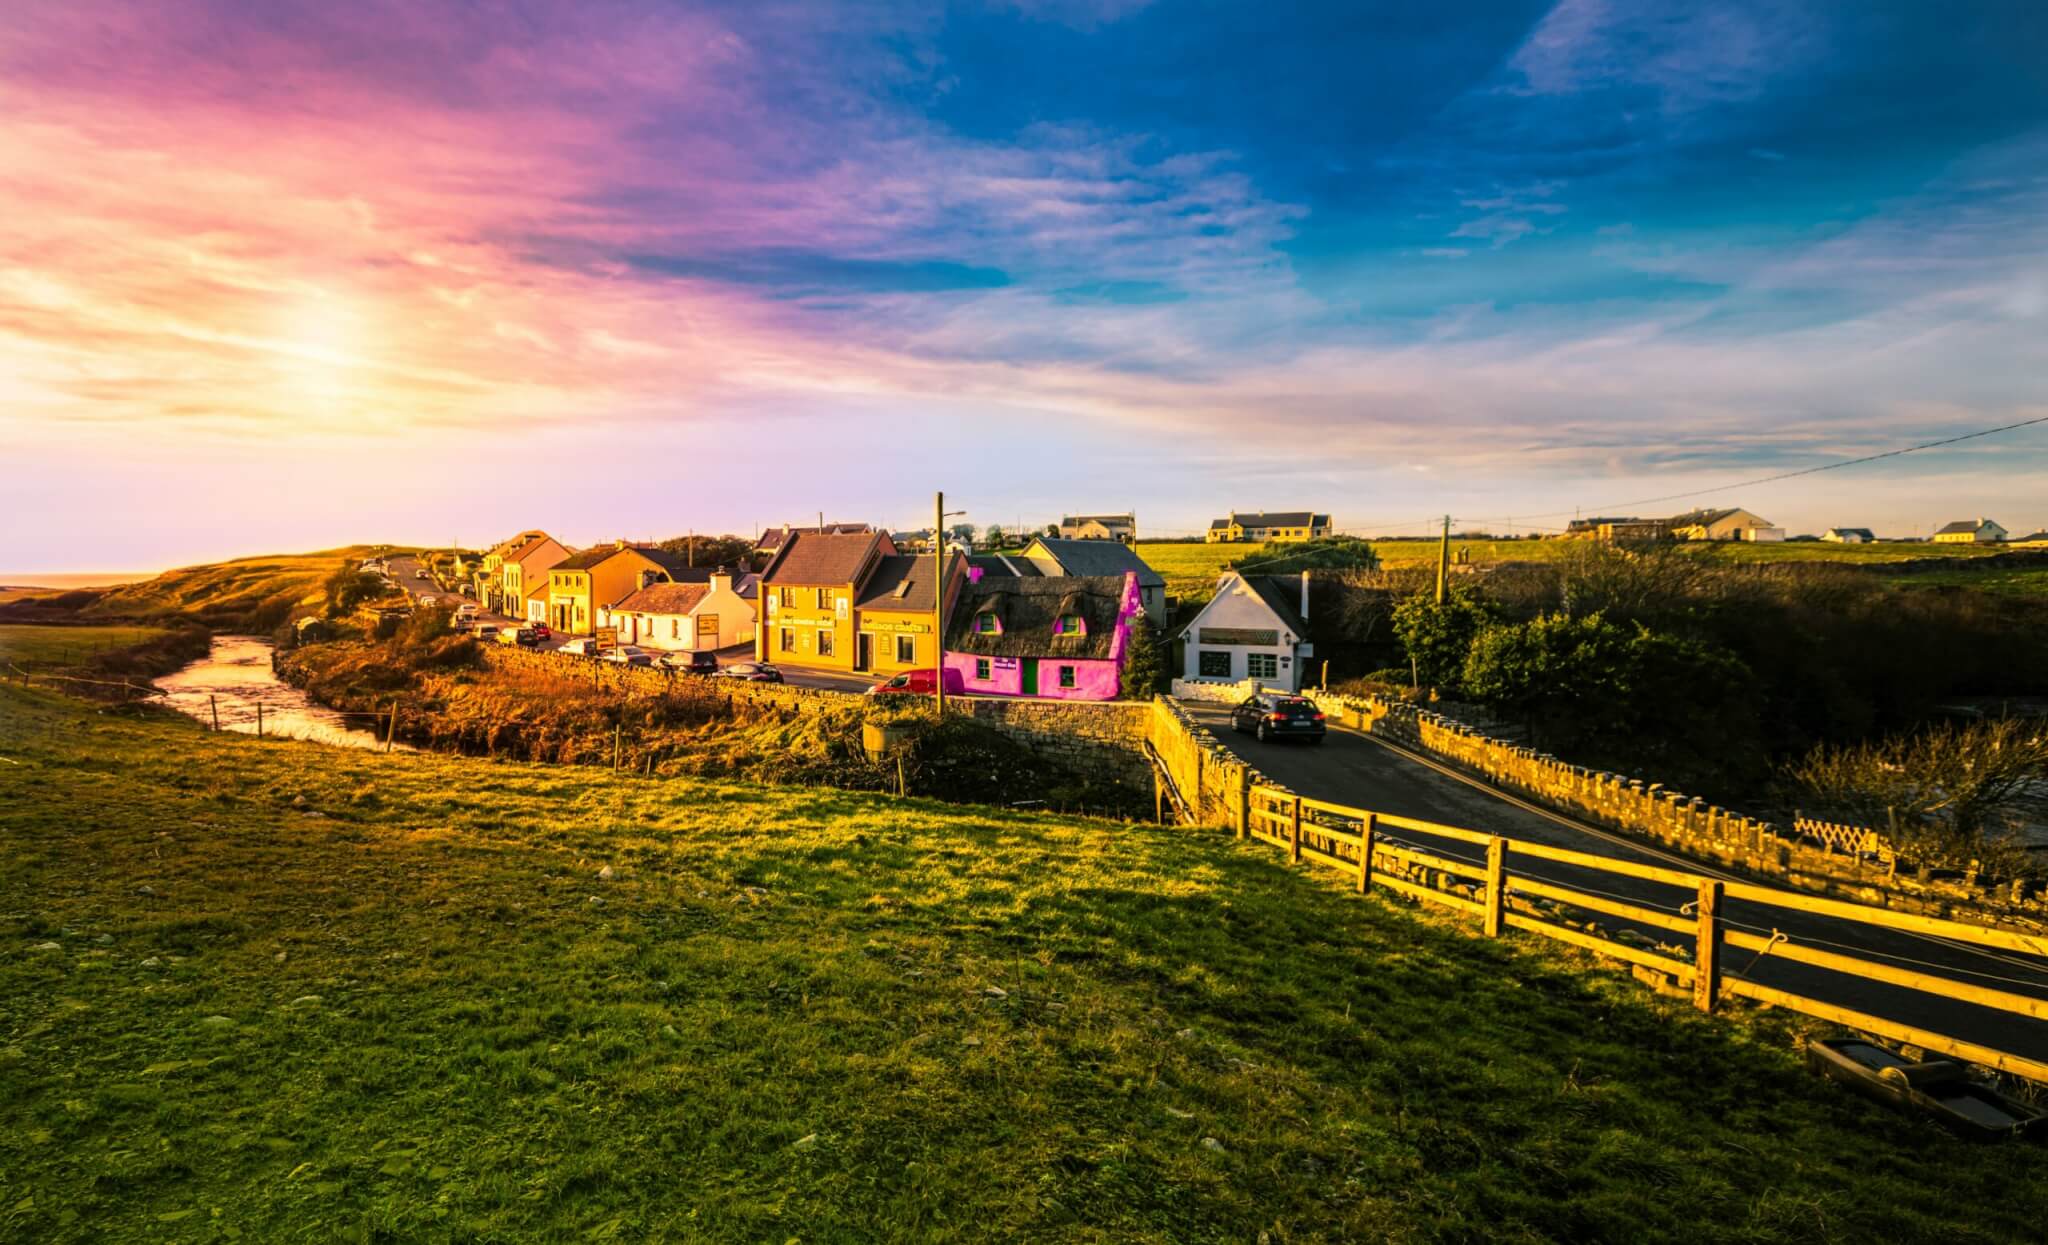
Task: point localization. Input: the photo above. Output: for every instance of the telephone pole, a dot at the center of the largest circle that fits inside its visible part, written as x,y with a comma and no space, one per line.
939,599
1443,561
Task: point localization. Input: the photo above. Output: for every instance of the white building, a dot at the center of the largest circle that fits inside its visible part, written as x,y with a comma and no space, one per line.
681,618
1848,535
1255,627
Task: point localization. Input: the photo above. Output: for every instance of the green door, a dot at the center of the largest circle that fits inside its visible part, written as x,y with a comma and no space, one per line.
1030,675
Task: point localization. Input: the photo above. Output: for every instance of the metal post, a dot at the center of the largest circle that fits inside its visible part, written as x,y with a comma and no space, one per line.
1443,561
939,598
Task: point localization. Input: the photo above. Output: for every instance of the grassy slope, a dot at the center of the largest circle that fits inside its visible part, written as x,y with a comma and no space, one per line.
1192,569
69,646
219,592
411,1010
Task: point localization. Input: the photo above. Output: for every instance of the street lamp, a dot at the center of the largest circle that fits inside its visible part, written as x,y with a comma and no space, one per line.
940,515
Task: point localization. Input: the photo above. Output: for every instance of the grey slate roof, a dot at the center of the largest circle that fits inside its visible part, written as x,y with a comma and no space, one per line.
1273,518
911,573
1282,595
809,559
1099,557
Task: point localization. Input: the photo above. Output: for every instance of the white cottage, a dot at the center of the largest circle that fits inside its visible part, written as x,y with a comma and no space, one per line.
690,617
1255,627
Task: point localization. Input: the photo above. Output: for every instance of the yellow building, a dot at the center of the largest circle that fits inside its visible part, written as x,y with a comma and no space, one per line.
894,613
523,577
807,598
1970,532
582,584
1263,526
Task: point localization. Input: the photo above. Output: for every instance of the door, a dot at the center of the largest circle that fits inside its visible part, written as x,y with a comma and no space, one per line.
864,651
1030,676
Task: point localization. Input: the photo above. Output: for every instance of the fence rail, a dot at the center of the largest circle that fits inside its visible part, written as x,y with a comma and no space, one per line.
1501,892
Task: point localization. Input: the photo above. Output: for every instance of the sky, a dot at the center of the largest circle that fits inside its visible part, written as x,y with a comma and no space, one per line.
293,275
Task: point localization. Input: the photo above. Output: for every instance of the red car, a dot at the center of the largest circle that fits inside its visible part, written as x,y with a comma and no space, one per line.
916,683
541,631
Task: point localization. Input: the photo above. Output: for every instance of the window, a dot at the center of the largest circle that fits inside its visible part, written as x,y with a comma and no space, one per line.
906,648
788,641
824,598
1261,666
824,643
707,631
1215,663
1070,624
981,670
675,628
986,623
1066,676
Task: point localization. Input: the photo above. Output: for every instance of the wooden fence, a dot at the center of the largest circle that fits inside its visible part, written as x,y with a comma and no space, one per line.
1355,841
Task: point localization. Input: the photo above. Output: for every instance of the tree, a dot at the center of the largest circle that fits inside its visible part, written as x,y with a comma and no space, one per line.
993,535
711,550
348,587
1438,636
1052,531
1948,795
1331,553
1144,671
1546,670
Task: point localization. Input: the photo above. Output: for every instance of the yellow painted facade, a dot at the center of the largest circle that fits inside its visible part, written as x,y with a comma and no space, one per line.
808,626
575,593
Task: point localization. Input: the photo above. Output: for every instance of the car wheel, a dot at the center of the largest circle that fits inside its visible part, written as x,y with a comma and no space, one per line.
1262,732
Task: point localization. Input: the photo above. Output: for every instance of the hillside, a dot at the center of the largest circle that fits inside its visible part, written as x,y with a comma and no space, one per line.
246,593
264,990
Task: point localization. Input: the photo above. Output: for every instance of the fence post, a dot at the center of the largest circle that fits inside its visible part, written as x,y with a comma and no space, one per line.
1244,802
213,703
1294,834
1366,836
259,719
1158,795
618,731
1496,883
391,727
1706,965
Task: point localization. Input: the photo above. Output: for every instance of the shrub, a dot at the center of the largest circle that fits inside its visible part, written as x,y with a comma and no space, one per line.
1144,672
1437,636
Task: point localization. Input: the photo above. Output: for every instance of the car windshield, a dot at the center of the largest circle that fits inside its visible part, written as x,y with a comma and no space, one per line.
1293,706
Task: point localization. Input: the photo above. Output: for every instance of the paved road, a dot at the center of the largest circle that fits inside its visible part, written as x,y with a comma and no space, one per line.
1352,768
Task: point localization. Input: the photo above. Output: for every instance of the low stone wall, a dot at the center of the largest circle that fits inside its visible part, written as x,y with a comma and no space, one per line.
1215,693
1212,780
1101,739
1685,824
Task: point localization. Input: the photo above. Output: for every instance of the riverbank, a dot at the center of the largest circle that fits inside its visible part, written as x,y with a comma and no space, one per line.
268,991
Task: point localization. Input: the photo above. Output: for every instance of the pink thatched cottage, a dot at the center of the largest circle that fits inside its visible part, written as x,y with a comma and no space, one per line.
1060,637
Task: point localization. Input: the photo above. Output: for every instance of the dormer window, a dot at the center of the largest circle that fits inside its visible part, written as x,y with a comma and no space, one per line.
986,623
1070,624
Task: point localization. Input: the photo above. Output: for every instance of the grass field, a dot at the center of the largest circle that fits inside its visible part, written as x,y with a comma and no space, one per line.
1192,569
261,990
67,646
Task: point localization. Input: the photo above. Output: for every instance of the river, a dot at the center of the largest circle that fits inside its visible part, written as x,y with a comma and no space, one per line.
236,677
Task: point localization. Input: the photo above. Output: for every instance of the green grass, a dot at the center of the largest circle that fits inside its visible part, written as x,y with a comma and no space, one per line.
66,646
262,990
230,594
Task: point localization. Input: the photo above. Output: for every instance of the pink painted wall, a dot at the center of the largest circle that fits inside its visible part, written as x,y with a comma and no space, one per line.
1094,678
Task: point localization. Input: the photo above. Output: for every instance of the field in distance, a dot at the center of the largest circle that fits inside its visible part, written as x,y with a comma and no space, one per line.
269,990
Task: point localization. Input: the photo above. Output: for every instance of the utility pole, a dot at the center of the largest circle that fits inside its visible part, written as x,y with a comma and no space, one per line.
1443,561
939,600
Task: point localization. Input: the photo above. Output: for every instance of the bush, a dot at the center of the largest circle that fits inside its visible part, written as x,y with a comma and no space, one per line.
1144,672
1437,636
1331,553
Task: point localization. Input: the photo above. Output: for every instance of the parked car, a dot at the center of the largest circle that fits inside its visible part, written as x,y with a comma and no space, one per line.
426,599
1273,716
522,636
691,663
630,655
915,683
541,631
486,631
582,646
750,671
466,610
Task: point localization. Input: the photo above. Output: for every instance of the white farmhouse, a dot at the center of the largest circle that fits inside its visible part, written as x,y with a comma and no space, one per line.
1255,627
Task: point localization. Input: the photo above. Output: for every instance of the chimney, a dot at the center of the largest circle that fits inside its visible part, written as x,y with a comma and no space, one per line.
1304,596
721,581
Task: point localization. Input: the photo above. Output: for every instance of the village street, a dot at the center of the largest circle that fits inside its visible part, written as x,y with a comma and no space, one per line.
1354,769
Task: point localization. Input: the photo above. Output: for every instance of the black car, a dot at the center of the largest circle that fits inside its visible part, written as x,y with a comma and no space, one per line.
751,671
1271,716
691,663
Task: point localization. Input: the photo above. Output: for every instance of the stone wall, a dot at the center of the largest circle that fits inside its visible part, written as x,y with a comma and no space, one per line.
1101,739
1685,824
1211,780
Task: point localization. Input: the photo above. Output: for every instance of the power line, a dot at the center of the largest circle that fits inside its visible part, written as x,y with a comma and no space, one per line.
1785,475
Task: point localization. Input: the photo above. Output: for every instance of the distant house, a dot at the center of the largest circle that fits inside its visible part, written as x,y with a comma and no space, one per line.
1255,627
1615,528
1970,532
686,617
1262,526
1730,524
774,538
523,576
1063,638
1848,535
1094,557
487,574
2032,540
1118,527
